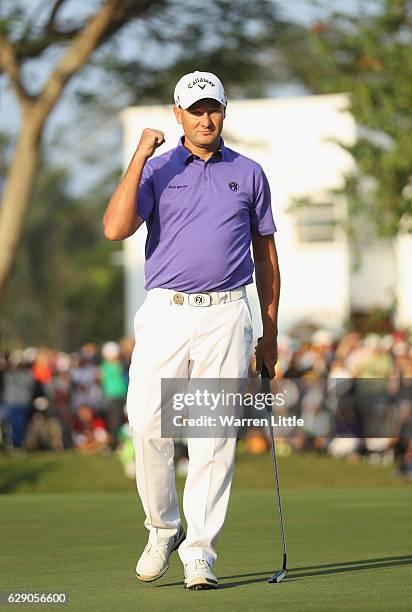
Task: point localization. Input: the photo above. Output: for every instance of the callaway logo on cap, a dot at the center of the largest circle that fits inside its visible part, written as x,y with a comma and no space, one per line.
197,86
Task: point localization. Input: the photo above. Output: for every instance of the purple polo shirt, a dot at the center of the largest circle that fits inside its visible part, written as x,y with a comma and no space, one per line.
200,216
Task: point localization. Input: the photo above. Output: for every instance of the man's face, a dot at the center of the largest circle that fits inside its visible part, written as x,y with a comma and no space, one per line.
202,122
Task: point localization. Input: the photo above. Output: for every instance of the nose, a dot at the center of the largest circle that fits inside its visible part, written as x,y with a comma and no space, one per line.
205,120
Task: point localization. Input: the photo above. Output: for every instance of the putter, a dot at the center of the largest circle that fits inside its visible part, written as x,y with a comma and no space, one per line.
281,574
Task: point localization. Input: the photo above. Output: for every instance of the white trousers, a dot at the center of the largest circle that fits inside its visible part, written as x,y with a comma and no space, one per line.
183,341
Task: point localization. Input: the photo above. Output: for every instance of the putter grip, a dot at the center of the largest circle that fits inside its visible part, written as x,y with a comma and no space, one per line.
265,372
265,378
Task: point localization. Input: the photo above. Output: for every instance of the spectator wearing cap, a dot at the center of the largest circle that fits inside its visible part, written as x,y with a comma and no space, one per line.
17,395
84,378
59,391
114,386
44,431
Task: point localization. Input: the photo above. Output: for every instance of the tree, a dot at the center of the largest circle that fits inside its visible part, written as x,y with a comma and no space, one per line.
232,34
64,290
368,55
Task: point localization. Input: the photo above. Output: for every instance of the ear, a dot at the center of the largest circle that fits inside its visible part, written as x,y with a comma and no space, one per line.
178,113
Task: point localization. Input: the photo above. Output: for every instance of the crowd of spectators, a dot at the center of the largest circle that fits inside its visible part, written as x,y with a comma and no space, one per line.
353,393
51,400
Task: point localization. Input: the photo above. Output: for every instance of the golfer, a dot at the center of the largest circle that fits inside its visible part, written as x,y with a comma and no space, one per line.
204,204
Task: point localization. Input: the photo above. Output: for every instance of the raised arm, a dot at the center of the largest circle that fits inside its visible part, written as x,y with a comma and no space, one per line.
268,289
121,218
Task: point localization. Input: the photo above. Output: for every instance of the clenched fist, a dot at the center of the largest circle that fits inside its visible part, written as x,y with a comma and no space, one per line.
149,141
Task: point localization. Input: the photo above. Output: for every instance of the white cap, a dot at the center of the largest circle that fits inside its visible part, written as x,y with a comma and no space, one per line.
198,86
41,403
322,337
110,350
371,341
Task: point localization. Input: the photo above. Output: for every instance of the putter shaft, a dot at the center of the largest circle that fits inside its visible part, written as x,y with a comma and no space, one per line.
281,574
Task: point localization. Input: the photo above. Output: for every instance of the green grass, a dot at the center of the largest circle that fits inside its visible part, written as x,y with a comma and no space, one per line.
348,550
69,472
348,530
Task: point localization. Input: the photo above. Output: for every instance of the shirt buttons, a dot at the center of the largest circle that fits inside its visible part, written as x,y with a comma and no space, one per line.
178,299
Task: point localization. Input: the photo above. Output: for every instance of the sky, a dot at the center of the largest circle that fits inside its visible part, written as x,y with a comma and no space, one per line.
74,154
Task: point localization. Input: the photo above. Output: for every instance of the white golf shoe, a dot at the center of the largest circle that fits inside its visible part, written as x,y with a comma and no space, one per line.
154,561
199,576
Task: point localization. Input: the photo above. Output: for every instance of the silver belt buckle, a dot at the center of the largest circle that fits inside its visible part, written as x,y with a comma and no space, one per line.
199,299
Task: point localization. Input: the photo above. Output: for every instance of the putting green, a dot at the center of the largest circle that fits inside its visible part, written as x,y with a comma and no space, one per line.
349,549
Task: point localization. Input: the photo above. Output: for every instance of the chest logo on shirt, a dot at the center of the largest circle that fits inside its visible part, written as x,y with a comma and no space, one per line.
234,186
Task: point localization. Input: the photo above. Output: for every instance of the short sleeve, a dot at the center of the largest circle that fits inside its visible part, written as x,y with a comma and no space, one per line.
145,194
261,217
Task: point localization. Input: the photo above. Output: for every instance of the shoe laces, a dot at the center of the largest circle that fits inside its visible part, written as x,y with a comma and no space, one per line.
154,550
201,564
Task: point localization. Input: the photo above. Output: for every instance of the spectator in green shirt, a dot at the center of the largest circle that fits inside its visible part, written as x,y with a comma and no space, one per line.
114,386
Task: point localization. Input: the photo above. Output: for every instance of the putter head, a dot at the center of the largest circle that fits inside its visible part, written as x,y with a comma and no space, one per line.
278,576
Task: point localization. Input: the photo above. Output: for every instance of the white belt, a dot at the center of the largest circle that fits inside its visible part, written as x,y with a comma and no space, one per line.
207,298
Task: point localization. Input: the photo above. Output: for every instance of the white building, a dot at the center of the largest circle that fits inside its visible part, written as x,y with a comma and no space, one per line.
292,139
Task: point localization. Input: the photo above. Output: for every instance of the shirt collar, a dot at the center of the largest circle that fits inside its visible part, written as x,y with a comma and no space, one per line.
186,156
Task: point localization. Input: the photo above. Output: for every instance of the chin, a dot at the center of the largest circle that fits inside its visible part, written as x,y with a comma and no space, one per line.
202,140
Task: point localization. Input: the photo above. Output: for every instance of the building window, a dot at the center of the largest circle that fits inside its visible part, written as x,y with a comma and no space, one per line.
316,223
